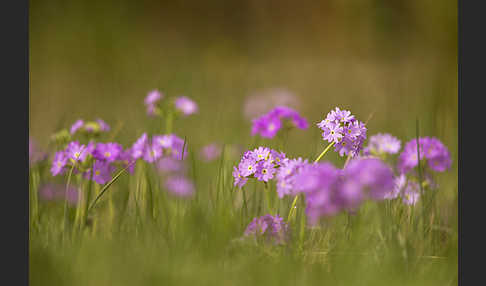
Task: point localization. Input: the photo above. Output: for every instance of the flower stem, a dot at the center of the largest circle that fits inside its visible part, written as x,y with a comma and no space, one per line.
267,198
292,208
66,199
325,151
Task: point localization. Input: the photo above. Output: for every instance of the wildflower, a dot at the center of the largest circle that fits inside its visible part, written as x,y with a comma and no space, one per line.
436,155
170,165
76,152
57,192
342,129
109,152
185,105
151,101
382,144
269,124
78,124
179,186
270,228
265,171
101,172
138,147
152,152
126,158
35,155
59,162
399,183
240,180
286,173
411,193
104,127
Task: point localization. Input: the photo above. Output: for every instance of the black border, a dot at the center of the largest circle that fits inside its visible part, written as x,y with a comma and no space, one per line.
14,210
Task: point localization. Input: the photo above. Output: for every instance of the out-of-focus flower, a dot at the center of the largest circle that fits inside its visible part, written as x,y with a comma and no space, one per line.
210,152
59,162
75,127
57,192
269,228
170,165
102,171
35,154
104,127
286,173
411,194
151,101
269,124
431,149
179,186
342,129
185,105
380,144
139,146
76,152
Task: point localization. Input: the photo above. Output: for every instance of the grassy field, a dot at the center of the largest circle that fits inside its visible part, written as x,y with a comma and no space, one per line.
391,64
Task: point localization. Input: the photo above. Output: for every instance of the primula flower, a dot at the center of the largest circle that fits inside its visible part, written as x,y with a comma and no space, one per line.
152,152
261,163
342,129
179,186
59,162
185,105
269,228
109,152
269,124
76,152
104,127
126,158
170,165
382,144
139,146
151,101
431,149
286,173
101,172
75,127
411,194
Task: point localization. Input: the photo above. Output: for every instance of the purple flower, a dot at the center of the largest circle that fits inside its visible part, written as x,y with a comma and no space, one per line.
152,152
170,165
109,152
101,172
382,144
342,129
239,180
126,158
269,124
151,101
59,162
185,105
270,228
139,146
411,193
265,171
78,124
179,186
373,176
211,152
247,167
431,149
399,184
175,149
56,192
286,174
76,152
104,127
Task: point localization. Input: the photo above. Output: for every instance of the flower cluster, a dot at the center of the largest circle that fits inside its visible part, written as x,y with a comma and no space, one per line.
89,127
286,174
152,149
260,163
269,124
57,192
270,228
381,144
343,130
436,155
329,190
181,104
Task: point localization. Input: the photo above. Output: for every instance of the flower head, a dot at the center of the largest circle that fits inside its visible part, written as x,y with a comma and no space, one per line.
342,129
431,149
104,127
286,174
76,152
185,105
211,152
179,186
270,228
382,144
139,146
59,162
151,101
101,172
109,152
269,124
78,124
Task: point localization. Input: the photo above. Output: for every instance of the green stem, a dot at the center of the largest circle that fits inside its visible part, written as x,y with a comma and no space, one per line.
292,208
168,122
324,152
267,198
66,198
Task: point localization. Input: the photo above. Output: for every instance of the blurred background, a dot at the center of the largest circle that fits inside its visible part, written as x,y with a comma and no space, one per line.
396,60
